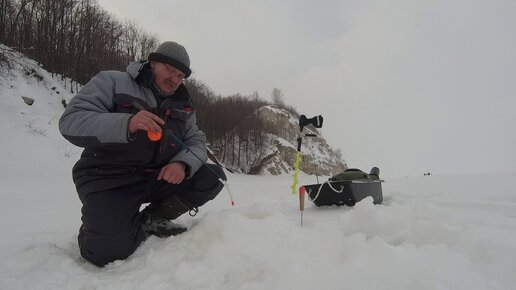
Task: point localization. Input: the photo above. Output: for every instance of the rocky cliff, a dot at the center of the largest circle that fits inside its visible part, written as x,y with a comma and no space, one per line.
277,153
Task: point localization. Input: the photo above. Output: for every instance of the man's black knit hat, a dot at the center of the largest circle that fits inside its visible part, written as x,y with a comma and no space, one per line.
173,54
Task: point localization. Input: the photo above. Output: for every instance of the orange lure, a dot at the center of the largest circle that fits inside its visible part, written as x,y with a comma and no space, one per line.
154,136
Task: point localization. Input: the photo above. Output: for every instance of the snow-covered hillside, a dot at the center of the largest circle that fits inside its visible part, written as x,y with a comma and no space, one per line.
27,128
431,232
318,157
276,154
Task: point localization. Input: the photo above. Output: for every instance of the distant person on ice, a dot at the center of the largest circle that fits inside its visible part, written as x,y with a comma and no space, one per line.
114,117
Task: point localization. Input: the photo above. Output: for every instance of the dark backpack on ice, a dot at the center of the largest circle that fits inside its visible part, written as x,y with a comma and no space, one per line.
347,188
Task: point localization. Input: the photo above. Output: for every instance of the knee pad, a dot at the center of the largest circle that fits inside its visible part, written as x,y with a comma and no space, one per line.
101,250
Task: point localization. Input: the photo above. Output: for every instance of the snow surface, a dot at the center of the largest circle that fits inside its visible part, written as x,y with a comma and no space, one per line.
431,232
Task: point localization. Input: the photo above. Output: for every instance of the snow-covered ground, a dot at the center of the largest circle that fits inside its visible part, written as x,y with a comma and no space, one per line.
431,232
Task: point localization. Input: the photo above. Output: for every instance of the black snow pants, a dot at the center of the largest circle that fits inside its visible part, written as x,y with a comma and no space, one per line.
111,219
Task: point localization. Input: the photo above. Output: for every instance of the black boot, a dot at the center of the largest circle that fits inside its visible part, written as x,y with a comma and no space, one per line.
157,219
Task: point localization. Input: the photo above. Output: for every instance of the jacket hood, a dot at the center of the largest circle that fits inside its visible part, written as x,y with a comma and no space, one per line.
134,68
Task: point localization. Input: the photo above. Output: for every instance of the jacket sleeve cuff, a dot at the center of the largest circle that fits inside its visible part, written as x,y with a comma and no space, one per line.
130,136
187,168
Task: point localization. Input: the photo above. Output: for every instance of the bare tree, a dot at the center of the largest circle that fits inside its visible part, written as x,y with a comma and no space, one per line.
131,39
277,97
75,38
148,43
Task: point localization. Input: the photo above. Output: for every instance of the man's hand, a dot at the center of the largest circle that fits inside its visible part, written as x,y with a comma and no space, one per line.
173,172
146,121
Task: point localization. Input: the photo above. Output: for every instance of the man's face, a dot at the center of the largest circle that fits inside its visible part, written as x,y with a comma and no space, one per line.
166,77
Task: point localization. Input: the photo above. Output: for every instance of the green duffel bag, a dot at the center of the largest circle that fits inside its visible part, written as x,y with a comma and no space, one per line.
356,174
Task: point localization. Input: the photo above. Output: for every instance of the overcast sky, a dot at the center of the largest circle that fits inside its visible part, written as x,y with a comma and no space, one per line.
409,86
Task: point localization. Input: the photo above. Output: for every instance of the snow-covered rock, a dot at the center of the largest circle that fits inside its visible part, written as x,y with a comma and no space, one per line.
277,154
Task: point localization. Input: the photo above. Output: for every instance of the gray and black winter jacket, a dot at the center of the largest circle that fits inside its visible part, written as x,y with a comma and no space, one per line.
97,119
